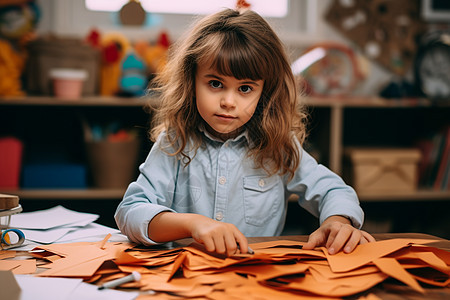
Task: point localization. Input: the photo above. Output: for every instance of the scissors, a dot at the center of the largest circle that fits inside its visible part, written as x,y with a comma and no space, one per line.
5,241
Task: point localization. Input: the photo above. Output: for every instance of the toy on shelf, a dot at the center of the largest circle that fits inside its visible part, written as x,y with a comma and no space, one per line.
132,13
18,19
133,80
127,67
114,48
329,69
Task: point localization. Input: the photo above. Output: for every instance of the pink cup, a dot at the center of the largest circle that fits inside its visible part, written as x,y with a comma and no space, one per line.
68,83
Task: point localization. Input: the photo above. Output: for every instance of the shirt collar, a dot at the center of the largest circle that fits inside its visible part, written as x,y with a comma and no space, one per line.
243,135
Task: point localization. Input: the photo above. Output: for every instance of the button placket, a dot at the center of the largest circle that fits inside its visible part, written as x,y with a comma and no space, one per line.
222,186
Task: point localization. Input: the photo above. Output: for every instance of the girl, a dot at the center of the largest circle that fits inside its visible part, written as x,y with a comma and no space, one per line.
227,153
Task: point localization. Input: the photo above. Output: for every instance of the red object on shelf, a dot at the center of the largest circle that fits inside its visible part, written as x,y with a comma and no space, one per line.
11,150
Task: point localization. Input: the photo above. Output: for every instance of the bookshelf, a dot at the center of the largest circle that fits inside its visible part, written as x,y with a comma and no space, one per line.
335,123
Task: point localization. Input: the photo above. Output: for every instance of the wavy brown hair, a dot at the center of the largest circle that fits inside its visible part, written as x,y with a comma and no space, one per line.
242,45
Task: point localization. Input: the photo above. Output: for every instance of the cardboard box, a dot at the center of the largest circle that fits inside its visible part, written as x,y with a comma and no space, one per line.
382,170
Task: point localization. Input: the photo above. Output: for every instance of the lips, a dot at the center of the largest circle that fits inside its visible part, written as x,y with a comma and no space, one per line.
225,117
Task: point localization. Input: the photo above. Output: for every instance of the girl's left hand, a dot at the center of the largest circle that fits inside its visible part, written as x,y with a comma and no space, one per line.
336,234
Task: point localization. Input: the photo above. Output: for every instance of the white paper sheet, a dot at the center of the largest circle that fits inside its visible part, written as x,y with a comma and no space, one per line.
49,288
46,236
44,288
85,234
68,234
57,216
87,291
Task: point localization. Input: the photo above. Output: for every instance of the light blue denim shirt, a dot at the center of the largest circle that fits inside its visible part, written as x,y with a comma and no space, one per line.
222,183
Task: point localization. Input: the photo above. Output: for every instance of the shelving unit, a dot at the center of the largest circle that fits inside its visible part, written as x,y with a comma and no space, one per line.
68,194
51,118
84,102
373,122
329,129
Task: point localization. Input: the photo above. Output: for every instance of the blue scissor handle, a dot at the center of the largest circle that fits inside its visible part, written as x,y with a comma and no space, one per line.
19,234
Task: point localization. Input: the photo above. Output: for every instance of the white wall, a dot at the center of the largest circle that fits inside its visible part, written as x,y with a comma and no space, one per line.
303,27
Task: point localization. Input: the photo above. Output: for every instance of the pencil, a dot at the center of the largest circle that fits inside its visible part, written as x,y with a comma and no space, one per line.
249,250
134,276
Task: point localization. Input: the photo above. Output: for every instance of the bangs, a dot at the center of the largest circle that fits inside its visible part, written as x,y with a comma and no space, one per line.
231,54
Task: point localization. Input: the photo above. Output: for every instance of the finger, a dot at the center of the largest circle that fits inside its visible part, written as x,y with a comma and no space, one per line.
230,244
334,230
340,239
363,240
315,239
243,243
368,236
209,244
219,244
353,241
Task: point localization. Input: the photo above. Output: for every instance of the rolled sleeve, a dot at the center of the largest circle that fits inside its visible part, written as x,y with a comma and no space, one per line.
134,214
323,193
147,196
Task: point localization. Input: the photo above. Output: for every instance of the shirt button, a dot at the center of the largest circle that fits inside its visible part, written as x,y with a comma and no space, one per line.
222,180
261,182
219,216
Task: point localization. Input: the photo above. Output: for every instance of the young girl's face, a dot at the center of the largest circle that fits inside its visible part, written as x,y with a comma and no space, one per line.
225,103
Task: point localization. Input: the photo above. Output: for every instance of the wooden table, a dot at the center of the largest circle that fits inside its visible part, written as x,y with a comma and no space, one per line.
389,289
441,243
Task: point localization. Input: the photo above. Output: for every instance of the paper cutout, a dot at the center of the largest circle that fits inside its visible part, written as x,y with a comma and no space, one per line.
278,270
7,254
391,267
19,266
366,253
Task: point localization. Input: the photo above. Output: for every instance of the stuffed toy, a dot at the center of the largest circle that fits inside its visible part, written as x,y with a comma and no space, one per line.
18,19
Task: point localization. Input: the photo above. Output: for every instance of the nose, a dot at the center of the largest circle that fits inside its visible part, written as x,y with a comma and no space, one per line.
228,100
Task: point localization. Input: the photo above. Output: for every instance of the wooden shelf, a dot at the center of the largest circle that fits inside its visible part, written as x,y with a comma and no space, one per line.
417,196
97,193
372,102
68,194
85,101
351,101
420,195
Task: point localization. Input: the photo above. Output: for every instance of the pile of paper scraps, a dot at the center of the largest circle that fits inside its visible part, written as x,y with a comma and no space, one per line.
278,269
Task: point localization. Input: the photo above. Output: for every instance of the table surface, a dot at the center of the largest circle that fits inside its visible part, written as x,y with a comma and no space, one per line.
389,289
440,242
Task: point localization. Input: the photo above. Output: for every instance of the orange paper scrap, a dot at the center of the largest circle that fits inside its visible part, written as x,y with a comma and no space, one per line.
19,266
278,270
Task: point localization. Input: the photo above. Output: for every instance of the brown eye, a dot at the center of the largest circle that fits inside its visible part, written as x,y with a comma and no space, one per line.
245,89
215,84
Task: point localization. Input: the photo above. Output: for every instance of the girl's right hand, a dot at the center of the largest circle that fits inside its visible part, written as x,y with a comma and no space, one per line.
216,236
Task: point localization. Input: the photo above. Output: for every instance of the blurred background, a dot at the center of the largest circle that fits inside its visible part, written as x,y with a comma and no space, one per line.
75,110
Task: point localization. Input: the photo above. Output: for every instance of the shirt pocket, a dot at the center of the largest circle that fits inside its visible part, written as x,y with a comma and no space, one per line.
262,198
